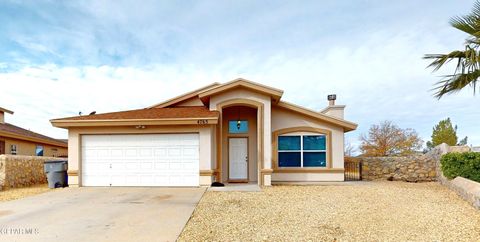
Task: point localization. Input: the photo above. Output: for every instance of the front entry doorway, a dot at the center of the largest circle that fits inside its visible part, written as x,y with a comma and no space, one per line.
238,159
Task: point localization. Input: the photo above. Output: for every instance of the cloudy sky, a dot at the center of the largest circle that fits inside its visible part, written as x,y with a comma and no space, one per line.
61,57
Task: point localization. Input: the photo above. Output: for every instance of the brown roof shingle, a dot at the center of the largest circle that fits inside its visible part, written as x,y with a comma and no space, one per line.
151,113
10,128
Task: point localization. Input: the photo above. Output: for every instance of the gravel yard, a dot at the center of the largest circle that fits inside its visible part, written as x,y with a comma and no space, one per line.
17,193
373,211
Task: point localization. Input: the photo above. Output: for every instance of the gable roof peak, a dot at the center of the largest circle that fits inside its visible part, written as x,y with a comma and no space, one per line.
204,92
274,93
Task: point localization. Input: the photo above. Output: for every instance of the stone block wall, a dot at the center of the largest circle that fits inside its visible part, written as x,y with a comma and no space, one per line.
420,167
410,168
22,171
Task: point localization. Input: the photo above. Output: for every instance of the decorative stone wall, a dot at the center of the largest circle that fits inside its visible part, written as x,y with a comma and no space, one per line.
22,171
415,168
424,167
410,168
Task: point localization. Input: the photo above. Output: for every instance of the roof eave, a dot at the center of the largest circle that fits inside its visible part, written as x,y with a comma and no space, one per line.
32,139
133,122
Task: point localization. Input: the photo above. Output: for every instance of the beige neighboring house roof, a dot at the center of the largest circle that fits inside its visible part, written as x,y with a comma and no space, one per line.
15,132
150,116
347,125
183,97
5,110
274,93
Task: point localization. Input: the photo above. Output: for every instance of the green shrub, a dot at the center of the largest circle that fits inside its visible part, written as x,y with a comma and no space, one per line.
466,165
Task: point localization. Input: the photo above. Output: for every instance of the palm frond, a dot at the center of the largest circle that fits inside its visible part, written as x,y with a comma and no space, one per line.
467,70
454,83
465,24
470,23
442,59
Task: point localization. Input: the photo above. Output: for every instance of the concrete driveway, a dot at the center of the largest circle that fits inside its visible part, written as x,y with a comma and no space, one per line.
99,214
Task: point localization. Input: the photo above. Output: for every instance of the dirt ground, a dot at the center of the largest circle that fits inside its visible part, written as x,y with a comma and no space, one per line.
17,193
365,211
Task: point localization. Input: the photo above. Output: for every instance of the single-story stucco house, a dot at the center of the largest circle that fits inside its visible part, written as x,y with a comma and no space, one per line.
238,131
15,140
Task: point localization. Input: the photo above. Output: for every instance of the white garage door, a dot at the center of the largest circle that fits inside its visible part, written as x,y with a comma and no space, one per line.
140,160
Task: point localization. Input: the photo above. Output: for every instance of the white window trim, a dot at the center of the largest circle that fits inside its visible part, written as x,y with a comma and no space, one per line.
302,150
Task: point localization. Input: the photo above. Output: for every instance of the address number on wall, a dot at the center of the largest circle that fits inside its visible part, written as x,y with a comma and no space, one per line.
202,121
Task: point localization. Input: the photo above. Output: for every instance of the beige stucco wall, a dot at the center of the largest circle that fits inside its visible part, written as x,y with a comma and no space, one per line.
306,177
74,142
242,113
28,148
242,93
282,118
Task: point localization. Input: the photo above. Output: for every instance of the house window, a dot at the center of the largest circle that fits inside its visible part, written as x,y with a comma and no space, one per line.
238,126
39,150
302,151
13,149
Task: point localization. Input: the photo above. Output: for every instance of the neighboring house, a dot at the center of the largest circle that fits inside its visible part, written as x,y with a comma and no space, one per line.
18,141
239,131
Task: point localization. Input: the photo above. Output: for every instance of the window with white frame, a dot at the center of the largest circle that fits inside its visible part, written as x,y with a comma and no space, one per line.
13,149
308,150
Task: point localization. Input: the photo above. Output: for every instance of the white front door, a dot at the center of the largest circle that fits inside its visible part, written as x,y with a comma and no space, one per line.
140,160
238,159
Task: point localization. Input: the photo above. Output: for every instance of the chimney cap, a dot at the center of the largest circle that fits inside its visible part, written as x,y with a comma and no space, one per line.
332,97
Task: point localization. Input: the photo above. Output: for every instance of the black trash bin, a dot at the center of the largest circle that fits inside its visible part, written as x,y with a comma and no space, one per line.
56,171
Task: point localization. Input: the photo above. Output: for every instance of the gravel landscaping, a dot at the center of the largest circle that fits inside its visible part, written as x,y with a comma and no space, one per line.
373,211
17,193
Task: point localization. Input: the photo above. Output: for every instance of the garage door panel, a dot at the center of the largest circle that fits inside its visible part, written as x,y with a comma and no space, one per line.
95,167
133,166
131,153
96,180
140,160
161,166
190,152
118,179
176,166
160,152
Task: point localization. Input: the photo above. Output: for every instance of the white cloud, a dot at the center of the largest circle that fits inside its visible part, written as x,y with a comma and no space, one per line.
369,57
376,83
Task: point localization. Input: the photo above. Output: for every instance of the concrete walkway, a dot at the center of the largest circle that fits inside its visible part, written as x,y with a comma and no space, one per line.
237,187
99,214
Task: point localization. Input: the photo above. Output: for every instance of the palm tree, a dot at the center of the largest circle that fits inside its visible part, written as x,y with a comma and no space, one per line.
467,71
